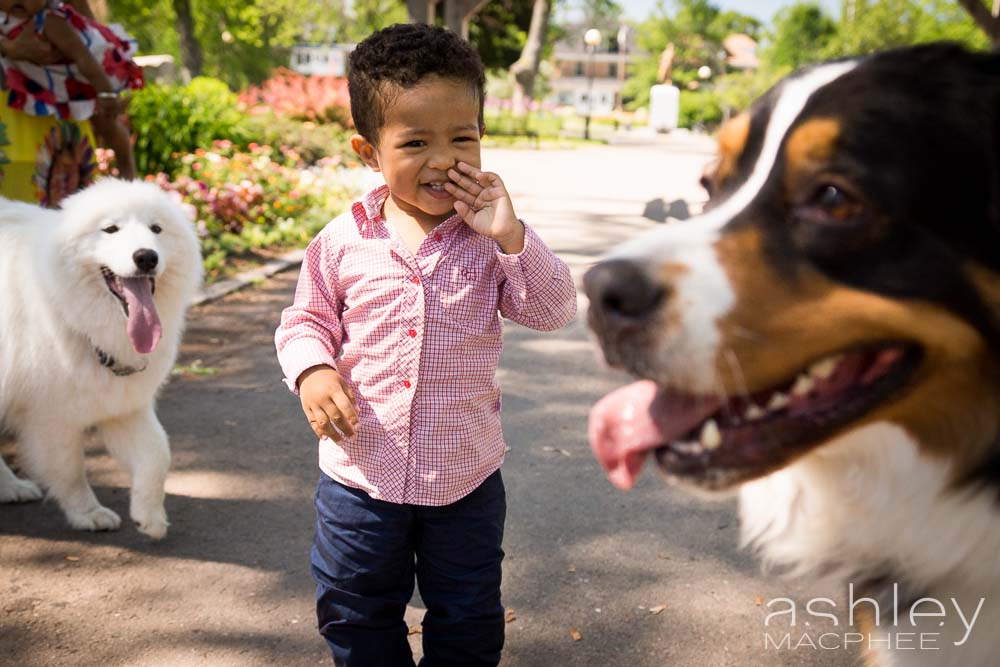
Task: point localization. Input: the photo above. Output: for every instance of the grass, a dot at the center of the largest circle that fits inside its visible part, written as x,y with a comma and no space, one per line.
195,368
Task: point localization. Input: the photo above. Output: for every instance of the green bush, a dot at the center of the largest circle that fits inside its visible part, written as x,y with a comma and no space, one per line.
699,109
259,198
503,123
172,120
312,141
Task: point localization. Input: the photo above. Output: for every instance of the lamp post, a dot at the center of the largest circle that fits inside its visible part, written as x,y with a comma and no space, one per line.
622,40
591,38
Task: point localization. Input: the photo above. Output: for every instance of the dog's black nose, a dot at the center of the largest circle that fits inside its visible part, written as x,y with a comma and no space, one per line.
623,289
145,259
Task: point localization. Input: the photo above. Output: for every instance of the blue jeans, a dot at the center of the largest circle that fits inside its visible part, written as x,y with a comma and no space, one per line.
364,558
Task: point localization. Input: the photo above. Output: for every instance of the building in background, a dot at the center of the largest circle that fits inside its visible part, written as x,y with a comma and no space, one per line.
577,71
321,59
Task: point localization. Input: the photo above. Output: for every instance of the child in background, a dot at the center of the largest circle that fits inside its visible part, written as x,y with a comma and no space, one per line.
393,343
97,67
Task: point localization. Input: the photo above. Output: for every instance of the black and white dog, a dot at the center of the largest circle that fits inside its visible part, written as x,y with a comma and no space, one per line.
826,338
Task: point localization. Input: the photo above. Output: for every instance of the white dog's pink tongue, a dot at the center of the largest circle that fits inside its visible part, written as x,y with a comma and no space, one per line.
144,329
631,421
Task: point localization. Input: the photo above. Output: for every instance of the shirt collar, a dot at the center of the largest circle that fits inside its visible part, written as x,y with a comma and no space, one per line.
373,201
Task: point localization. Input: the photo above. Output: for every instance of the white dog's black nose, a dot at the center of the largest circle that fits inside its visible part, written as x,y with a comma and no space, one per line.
145,259
622,289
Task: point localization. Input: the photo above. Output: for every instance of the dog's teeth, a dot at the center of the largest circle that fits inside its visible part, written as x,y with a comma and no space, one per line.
821,370
778,401
803,385
753,412
689,447
710,436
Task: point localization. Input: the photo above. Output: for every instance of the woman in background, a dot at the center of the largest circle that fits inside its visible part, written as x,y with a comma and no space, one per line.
43,158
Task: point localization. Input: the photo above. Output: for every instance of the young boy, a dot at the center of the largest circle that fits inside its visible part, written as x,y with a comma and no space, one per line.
393,343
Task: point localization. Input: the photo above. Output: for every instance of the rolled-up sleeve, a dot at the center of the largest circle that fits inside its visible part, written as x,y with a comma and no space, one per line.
311,332
538,290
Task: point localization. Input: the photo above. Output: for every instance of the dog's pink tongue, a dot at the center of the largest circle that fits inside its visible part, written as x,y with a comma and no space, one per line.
143,327
629,422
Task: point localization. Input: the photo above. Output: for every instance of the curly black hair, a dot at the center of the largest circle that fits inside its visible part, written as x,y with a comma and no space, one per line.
400,56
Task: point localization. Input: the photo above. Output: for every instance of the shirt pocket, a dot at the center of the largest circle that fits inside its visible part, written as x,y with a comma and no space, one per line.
469,299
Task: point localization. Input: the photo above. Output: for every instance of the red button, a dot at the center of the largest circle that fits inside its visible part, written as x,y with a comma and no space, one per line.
406,383
416,280
437,236
413,333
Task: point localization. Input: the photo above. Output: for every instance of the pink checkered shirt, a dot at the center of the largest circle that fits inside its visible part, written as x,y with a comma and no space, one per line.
418,337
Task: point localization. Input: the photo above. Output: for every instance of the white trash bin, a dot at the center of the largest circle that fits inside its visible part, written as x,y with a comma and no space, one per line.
664,107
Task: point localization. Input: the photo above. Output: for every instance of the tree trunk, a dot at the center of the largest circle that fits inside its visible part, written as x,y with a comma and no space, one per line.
985,19
525,70
420,11
190,48
458,13
100,11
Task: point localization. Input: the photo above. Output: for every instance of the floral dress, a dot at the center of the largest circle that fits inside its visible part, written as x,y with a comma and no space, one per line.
61,90
47,149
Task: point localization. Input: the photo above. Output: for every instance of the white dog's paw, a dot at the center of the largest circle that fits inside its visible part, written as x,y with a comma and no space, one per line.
99,518
151,521
20,491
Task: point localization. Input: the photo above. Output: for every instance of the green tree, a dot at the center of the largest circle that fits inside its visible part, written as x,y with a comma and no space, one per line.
499,31
525,70
984,18
801,33
696,29
366,16
605,15
729,22
241,42
873,25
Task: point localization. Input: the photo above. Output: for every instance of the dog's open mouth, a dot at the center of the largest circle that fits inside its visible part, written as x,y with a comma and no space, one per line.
719,441
135,294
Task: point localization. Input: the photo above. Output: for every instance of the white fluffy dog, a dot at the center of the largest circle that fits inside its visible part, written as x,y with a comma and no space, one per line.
92,303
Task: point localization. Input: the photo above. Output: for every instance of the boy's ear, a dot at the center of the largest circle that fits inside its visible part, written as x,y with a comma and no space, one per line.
365,151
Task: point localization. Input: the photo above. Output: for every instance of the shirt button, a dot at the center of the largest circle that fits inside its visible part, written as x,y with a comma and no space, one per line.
406,383
412,333
415,280
437,236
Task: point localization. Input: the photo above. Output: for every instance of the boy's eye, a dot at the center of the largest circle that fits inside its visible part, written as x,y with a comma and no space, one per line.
465,138
416,143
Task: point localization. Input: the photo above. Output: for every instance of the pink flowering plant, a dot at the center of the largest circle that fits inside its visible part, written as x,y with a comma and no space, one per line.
259,198
315,98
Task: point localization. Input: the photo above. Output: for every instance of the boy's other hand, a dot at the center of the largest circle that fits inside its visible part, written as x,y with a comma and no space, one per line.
328,403
481,200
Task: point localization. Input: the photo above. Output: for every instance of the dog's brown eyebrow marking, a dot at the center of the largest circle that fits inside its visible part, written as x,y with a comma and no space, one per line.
811,144
732,140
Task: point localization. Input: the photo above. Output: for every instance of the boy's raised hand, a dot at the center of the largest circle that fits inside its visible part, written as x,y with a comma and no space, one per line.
481,200
328,402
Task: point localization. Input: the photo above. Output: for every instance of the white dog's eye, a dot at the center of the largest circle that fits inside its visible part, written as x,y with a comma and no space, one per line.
110,229
156,229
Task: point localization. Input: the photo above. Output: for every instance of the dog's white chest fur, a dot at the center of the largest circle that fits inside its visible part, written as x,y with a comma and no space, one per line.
871,503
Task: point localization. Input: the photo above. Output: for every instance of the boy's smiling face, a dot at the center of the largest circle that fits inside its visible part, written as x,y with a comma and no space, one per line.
428,129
